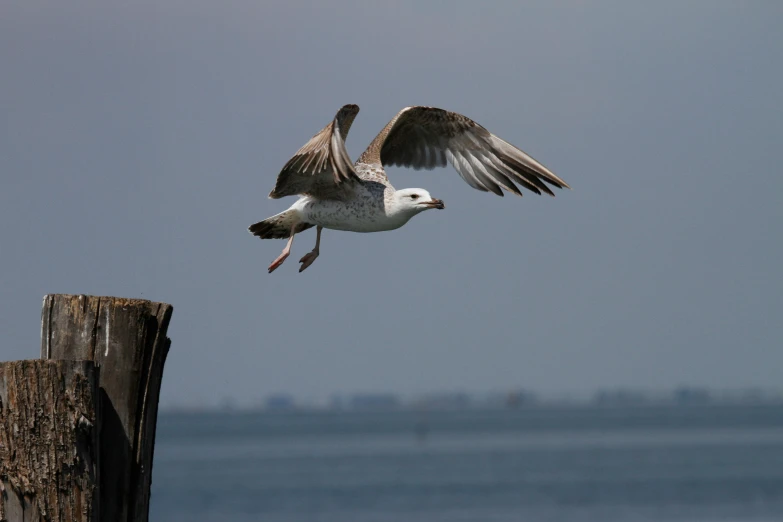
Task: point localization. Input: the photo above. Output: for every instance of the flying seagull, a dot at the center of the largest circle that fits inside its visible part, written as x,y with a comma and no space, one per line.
339,195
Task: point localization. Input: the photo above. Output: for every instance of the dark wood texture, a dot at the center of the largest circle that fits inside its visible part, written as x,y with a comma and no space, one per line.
48,441
126,338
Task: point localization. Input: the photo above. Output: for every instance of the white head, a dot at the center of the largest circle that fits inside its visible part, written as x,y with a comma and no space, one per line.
412,201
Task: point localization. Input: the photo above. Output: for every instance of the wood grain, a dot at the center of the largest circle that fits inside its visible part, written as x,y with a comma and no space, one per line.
48,441
126,339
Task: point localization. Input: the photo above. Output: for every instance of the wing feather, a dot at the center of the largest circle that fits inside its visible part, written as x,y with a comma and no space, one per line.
322,167
464,170
427,137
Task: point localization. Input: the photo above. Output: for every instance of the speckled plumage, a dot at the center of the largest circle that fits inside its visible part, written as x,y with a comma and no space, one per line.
336,194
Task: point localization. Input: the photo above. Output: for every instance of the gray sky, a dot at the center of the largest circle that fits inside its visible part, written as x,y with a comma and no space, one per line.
139,140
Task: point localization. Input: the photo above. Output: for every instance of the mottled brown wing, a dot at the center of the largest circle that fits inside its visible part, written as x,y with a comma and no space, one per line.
426,137
322,167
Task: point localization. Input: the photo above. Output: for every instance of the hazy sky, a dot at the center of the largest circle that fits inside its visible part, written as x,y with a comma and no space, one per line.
138,140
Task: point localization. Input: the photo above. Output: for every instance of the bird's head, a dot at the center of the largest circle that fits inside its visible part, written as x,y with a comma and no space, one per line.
414,200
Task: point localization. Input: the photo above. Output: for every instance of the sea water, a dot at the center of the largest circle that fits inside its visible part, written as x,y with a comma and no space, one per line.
558,464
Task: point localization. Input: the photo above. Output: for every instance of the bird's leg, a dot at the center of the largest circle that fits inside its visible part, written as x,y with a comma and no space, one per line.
308,259
286,252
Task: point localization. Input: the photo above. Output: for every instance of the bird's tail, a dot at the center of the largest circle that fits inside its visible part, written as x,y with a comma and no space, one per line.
278,226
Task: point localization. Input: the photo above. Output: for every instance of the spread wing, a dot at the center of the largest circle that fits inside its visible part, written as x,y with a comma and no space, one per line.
426,137
322,167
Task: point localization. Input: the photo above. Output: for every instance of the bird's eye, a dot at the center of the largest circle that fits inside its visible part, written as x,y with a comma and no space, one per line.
414,196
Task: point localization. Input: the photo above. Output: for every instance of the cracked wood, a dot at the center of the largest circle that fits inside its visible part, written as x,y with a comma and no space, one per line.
48,434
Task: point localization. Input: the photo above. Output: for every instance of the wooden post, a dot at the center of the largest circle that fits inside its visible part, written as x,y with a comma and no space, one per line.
77,429
126,339
48,436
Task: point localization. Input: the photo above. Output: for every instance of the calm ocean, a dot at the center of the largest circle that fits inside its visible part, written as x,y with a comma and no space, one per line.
659,464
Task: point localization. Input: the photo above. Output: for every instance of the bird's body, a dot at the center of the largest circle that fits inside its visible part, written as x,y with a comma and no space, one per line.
366,210
339,195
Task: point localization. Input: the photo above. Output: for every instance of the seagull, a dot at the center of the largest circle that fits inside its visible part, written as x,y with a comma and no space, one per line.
337,194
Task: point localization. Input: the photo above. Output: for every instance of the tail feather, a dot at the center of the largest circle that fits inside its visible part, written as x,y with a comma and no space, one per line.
278,226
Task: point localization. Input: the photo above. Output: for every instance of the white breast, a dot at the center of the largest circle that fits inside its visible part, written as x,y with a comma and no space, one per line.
366,212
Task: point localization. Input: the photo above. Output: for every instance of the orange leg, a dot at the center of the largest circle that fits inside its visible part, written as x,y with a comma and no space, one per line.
308,259
286,252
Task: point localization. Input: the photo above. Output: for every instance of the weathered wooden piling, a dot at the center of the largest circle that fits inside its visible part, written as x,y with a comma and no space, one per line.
48,468
77,429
